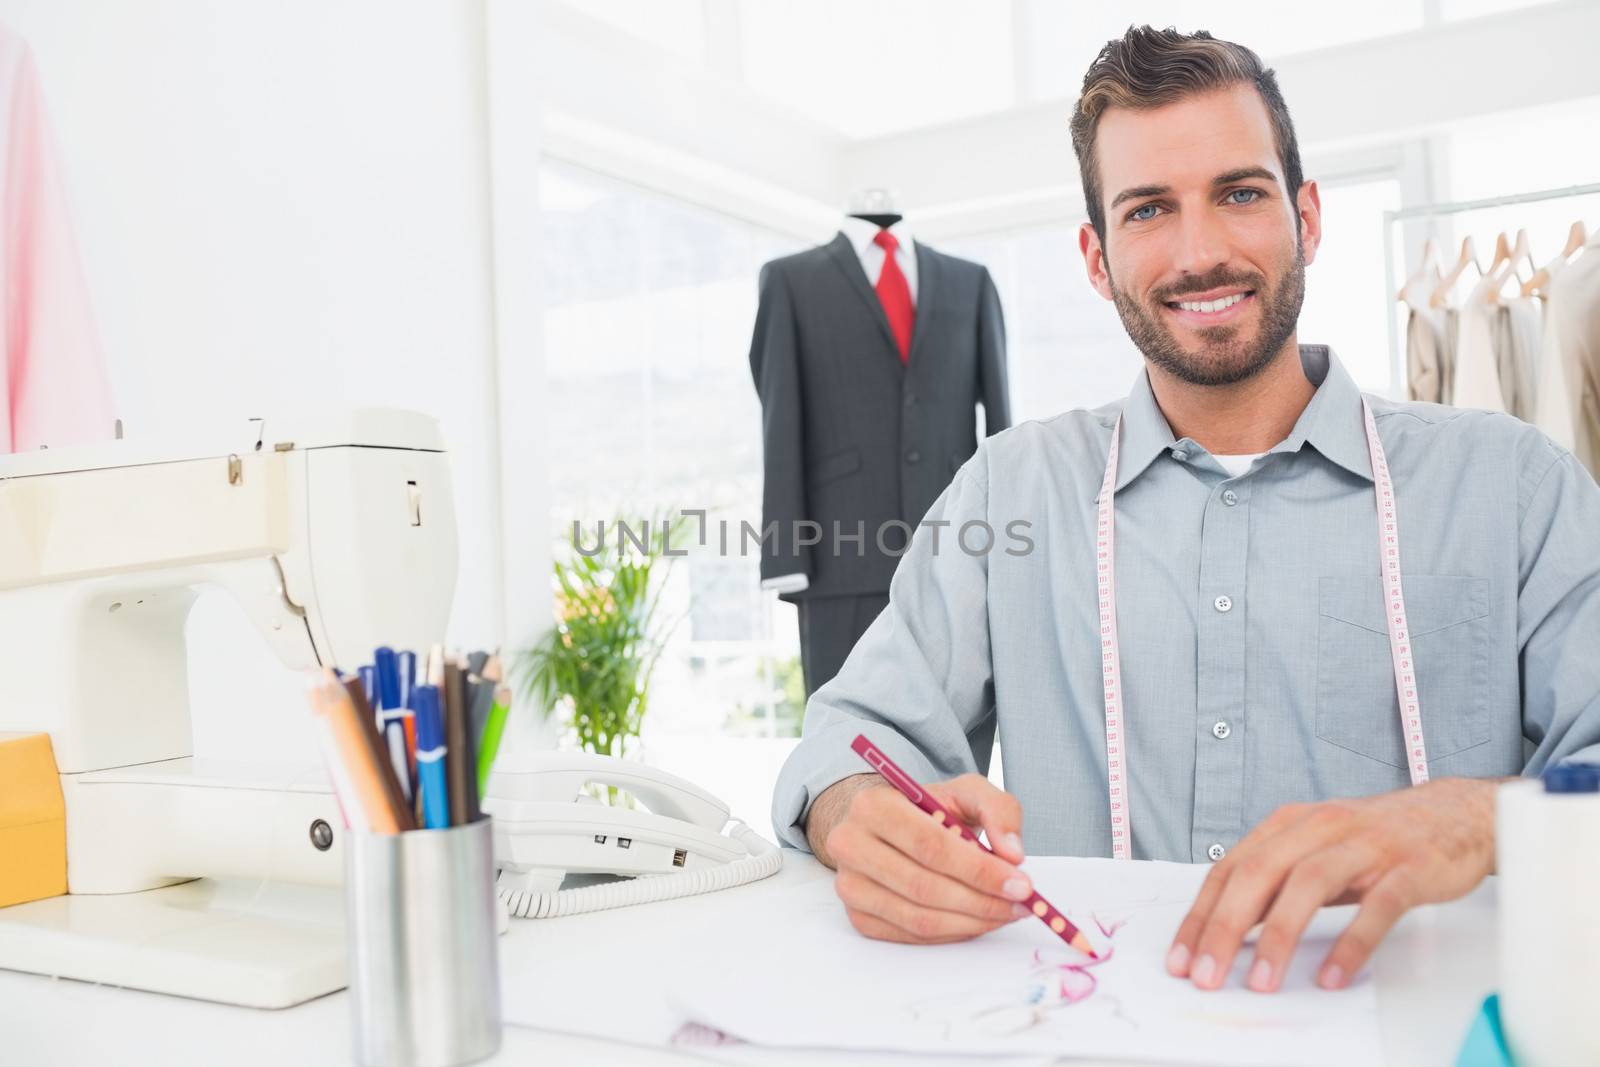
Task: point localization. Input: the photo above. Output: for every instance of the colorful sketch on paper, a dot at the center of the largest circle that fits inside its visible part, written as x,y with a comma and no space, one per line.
693,1034
1055,979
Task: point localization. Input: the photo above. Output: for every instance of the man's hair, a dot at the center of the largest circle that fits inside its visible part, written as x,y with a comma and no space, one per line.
1148,68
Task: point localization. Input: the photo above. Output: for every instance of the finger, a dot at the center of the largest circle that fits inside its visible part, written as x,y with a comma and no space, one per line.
874,927
977,801
915,922
941,849
1319,879
1180,956
1254,882
893,869
1381,908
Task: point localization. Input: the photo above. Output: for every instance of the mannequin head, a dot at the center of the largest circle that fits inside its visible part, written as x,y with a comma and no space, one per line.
1200,224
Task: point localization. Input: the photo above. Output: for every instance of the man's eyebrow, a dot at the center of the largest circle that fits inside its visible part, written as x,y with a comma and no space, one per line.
1238,174
1139,191
1242,174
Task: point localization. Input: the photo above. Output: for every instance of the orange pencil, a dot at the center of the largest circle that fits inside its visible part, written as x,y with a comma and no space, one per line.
333,705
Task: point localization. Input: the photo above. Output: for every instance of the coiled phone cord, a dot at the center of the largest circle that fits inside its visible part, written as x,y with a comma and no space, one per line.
764,861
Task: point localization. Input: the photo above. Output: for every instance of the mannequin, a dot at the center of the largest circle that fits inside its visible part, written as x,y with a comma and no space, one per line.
871,355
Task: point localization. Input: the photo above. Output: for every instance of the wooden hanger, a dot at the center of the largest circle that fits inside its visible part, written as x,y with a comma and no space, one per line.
1469,255
1539,284
1502,251
1428,266
1577,237
1515,254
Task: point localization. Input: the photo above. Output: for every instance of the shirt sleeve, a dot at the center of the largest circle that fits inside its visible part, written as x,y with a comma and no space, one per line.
1558,616
919,682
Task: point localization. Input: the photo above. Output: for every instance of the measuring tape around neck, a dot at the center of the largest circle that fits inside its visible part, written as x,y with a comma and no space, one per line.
1105,561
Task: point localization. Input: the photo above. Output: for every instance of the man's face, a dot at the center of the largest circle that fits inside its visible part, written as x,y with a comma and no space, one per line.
1204,253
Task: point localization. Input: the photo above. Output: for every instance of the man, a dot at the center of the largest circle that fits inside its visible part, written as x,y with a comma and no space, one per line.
1262,729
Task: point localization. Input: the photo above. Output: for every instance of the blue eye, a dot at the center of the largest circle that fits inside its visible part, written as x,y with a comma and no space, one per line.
1137,217
1254,194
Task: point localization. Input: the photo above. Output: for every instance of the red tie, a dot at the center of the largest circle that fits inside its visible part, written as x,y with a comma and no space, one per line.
895,294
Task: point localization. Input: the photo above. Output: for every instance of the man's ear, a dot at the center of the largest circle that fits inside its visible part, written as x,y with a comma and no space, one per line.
1308,209
1094,260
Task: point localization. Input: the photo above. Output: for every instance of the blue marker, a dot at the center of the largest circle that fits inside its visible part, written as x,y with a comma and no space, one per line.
430,759
407,664
391,719
369,684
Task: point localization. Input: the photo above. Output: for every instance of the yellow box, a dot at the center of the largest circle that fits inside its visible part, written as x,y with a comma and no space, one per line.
33,821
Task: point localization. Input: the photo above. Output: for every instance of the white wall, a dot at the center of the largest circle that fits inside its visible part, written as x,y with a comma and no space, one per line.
284,207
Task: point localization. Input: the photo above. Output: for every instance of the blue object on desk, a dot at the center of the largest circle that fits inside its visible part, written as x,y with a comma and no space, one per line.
430,759
388,678
406,662
1485,1045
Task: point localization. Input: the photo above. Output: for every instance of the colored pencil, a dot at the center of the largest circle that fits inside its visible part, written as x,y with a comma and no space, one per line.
1047,912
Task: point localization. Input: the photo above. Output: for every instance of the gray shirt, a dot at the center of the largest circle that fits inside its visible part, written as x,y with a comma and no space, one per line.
1255,655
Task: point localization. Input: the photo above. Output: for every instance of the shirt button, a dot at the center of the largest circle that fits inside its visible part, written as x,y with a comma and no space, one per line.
1216,852
1221,731
1179,454
1229,497
913,456
1223,603
911,400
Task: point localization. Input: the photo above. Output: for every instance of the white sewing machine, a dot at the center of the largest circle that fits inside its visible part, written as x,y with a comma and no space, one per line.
334,537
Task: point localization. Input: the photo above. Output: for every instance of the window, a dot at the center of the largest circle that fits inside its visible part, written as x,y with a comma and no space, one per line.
1068,348
1347,299
649,308
1065,345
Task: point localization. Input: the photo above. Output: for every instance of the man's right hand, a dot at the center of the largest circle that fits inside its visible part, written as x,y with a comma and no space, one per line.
904,877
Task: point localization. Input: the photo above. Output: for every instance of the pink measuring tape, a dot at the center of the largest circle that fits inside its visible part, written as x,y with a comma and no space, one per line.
1105,561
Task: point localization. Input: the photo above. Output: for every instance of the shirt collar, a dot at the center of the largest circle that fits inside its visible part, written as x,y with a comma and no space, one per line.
1331,423
861,232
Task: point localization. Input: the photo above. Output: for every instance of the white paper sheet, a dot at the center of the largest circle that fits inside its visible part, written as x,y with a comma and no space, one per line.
801,977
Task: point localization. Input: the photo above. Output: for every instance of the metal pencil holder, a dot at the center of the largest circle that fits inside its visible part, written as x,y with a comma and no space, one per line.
424,971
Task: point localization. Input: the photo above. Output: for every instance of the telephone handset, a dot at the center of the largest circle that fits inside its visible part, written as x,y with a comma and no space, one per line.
546,827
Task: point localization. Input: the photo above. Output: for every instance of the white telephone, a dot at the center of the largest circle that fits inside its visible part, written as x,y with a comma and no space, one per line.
546,827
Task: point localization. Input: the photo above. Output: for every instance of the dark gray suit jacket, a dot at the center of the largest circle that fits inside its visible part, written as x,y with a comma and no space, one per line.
851,435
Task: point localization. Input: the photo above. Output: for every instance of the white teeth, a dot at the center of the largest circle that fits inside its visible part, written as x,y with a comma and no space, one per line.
1208,306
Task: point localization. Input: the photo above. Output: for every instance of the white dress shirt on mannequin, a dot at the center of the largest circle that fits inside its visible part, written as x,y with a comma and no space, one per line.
861,232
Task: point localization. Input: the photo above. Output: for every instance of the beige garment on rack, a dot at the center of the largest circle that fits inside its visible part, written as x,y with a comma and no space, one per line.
1430,353
1517,329
1477,382
1569,366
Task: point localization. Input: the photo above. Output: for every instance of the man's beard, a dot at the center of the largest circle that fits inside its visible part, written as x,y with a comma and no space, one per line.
1225,357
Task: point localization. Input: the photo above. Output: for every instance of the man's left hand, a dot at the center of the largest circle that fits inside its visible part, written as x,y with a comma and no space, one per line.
1388,853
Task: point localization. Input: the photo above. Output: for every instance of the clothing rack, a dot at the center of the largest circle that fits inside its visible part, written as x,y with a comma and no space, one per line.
1397,368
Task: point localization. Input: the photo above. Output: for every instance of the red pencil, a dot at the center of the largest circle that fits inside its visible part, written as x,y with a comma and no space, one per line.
1047,912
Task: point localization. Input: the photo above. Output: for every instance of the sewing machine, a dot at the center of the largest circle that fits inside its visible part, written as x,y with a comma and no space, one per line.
184,875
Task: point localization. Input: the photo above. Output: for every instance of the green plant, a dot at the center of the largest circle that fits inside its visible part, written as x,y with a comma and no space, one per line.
595,664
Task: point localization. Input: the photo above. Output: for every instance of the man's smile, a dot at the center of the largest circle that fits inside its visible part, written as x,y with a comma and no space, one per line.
1212,308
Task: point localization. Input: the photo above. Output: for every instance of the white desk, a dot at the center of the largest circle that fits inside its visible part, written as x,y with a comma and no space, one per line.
1432,973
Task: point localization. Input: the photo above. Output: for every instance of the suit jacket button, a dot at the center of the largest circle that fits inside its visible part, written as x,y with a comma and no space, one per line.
913,456
911,400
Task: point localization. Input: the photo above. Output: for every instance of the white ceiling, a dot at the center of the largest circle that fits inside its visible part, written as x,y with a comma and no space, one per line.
867,68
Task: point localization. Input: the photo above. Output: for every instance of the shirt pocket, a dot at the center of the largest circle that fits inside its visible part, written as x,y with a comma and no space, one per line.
1357,707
